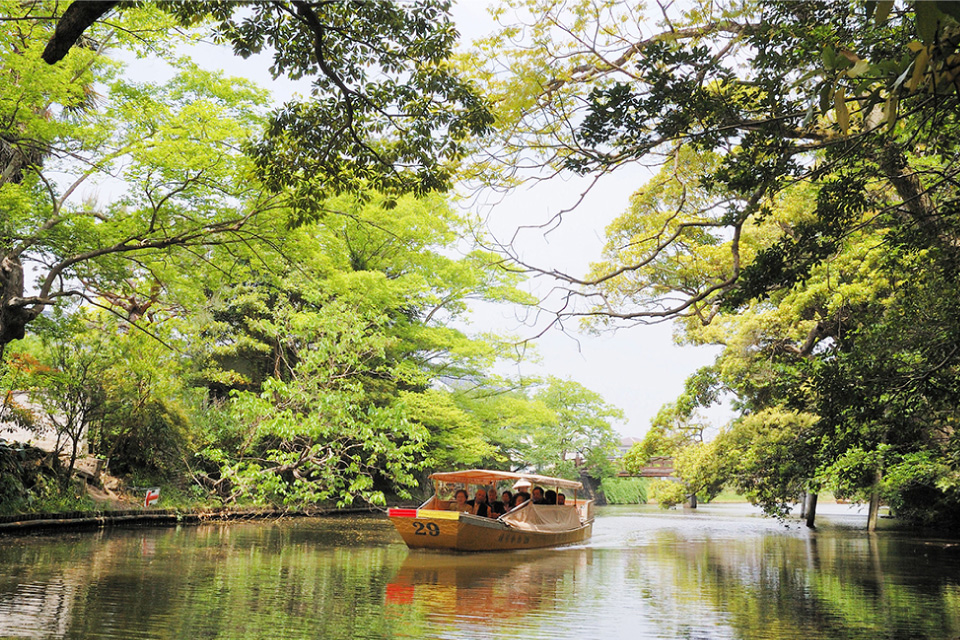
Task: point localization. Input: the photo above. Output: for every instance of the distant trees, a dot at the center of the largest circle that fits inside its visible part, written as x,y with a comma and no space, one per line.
583,432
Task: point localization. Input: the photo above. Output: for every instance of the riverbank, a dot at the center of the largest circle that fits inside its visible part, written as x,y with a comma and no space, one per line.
33,498
22,524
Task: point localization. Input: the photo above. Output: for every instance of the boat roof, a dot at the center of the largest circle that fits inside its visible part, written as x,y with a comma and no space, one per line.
485,476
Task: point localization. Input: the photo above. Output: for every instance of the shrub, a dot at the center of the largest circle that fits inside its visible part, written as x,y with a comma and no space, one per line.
624,490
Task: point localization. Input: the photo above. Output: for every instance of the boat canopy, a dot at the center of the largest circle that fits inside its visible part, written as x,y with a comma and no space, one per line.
486,476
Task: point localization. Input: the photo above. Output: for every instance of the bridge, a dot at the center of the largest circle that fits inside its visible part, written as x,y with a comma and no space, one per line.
657,467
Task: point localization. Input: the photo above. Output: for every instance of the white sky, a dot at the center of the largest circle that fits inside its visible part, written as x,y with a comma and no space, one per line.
637,369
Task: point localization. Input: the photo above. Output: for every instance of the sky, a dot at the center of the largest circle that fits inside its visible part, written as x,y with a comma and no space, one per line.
637,369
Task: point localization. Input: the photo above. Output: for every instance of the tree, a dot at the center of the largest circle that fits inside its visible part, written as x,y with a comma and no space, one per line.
684,93
554,426
386,111
582,433
176,146
148,427
510,420
329,347
678,424
317,432
65,382
808,169
455,437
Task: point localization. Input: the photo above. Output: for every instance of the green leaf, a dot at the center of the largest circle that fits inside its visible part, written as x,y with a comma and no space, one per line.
928,18
829,57
950,8
883,10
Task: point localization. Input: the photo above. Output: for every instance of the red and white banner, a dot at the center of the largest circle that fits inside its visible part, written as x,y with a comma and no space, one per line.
153,496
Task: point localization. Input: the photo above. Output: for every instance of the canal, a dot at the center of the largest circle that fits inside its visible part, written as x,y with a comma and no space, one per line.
719,572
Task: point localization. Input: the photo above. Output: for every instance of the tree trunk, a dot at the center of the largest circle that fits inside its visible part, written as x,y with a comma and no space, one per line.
874,511
691,501
15,310
13,315
811,509
74,445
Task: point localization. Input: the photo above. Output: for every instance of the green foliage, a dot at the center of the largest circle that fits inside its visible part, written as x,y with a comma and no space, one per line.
317,433
455,437
64,380
190,152
330,342
31,481
624,490
169,152
668,494
385,109
583,430
557,427
280,323
803,218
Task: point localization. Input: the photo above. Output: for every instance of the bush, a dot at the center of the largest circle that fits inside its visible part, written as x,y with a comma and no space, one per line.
151,439
624,490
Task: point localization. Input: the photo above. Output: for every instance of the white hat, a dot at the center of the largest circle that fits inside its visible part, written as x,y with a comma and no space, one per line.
522,483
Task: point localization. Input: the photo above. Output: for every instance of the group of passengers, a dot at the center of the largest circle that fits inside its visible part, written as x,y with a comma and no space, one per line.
482,505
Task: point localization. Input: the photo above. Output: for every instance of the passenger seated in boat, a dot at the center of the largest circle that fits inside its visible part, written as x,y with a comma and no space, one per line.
498,507
561,499
538,495
480,505
460,502
520,498
550,497
505,502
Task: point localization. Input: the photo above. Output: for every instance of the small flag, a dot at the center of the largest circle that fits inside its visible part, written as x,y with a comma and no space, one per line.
153,495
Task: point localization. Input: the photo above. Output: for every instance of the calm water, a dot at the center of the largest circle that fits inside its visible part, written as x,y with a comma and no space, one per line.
719,572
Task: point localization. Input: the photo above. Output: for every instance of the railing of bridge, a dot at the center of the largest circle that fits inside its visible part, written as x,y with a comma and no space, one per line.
657,467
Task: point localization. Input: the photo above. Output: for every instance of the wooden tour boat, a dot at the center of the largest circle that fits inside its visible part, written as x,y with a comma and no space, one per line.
527,526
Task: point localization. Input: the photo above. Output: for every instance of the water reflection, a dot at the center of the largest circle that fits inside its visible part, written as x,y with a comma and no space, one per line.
492,592
644,574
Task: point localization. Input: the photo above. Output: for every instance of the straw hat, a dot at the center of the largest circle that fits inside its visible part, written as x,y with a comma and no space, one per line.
521,484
